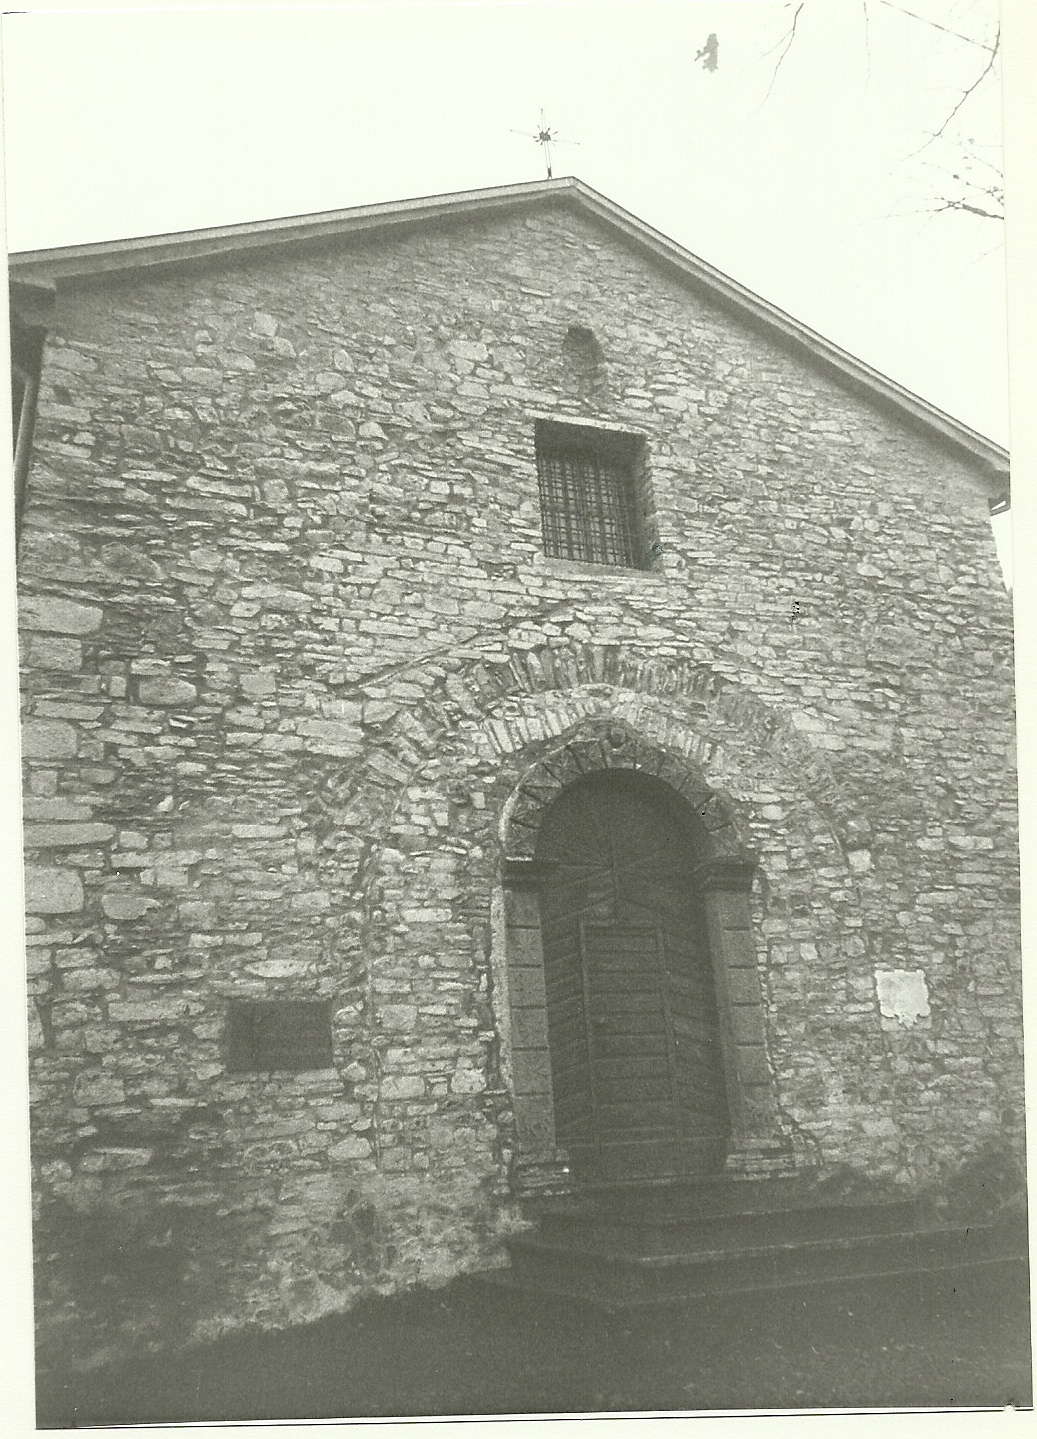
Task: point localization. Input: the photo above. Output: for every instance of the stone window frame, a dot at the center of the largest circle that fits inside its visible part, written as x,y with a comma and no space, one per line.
725,878
553,438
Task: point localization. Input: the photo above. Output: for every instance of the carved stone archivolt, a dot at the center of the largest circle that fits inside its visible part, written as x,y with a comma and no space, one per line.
615,744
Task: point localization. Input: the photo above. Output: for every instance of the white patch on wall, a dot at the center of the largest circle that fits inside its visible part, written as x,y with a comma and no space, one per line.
903,995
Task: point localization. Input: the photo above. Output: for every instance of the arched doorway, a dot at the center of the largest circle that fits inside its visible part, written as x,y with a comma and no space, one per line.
636,1062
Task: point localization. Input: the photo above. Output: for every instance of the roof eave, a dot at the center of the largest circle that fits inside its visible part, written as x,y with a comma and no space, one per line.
50,267
178,247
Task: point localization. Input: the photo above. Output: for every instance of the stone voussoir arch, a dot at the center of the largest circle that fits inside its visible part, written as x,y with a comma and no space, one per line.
720,702
473,695
609,742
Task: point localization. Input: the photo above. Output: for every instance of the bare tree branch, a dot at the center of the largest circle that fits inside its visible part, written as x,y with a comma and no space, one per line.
978,159
969,39
788,39
964,191
974,86
789,34
970,90
961,204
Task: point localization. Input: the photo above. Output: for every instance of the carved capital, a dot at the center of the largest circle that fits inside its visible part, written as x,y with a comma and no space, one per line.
519,873
727,872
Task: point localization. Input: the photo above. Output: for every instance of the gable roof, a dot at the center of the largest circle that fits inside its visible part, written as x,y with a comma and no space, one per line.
48,268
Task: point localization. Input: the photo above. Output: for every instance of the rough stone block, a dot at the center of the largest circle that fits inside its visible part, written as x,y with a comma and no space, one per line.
50,652
48,739
96,1087
467,1081
316,901
276,968
344,736
403,1017
259,683
101,1161
126,904
59,616
352,1148
34,808
36,1035
148,1011
164,691
53,891
403,1086
65,836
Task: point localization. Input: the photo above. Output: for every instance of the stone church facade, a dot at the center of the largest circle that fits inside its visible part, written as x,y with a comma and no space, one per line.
506,711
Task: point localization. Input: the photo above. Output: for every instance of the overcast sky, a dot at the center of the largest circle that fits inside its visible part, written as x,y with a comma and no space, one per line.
134,122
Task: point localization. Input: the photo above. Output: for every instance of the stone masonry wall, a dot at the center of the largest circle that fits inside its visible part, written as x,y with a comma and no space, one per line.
290,642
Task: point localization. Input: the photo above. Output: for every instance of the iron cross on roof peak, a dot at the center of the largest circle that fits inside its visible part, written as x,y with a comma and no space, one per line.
545,137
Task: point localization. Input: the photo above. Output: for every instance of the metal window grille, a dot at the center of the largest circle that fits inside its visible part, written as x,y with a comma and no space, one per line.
588,503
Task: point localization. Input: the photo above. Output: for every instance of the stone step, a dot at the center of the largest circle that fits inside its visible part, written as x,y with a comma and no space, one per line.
615,1298
692,1199
691,1267
752,1227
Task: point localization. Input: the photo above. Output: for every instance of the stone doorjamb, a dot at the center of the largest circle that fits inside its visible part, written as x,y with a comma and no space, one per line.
540,1165
725,880
756,1144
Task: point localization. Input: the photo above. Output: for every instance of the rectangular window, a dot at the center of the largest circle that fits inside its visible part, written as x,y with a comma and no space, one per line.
591,502
292,1034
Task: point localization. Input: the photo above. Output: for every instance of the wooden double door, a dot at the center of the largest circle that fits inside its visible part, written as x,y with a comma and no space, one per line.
632,1020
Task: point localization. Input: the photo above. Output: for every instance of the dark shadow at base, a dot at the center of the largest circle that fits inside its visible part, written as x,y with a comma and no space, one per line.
931,1341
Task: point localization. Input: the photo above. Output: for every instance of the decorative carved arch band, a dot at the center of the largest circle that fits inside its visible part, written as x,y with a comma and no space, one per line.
724,878
614,744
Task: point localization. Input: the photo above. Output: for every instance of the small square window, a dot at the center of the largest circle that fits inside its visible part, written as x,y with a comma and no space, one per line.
291,1034
591,494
